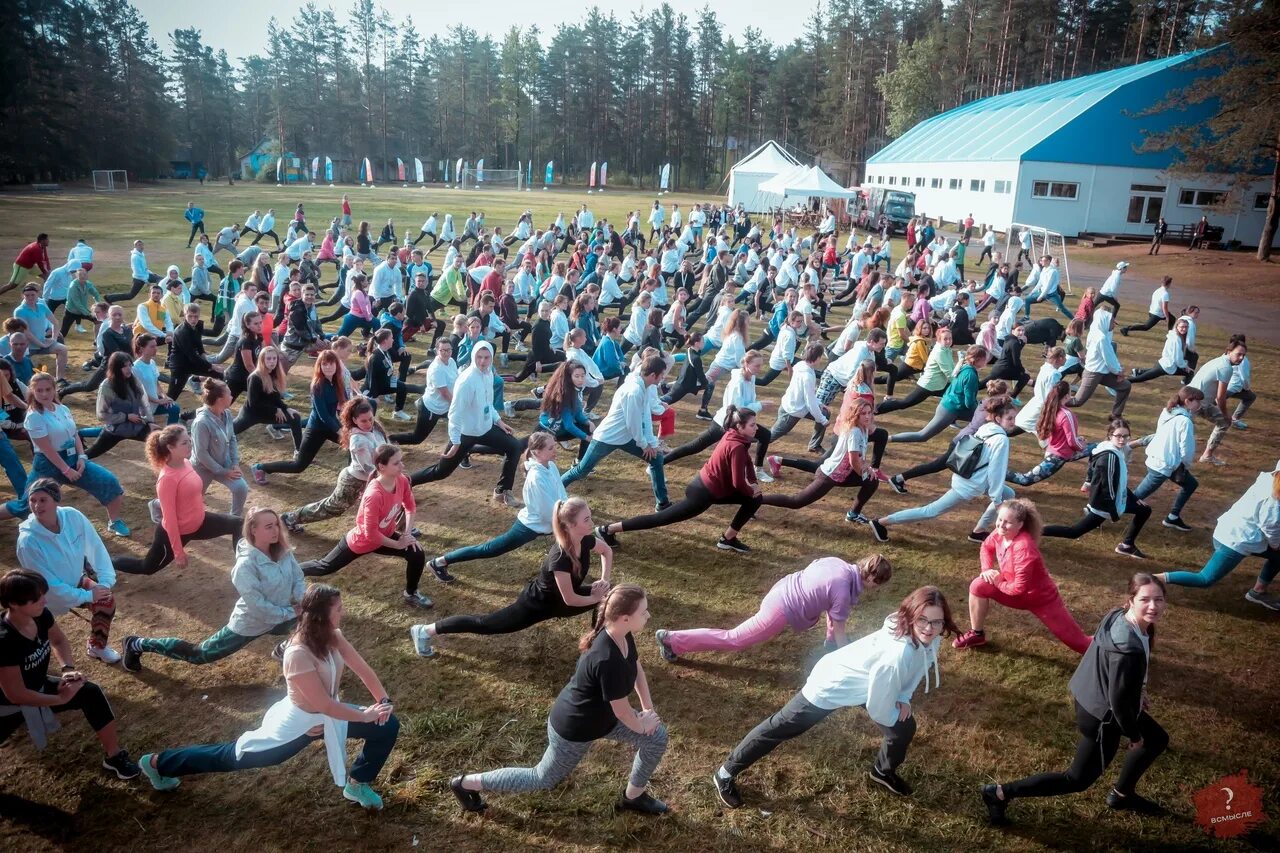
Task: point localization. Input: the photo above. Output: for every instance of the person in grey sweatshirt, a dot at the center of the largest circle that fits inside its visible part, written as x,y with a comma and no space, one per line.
269,580
215,453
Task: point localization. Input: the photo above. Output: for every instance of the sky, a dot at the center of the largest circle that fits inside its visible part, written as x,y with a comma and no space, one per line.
226,24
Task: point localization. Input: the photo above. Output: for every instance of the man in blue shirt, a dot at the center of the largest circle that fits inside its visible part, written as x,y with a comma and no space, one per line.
194,215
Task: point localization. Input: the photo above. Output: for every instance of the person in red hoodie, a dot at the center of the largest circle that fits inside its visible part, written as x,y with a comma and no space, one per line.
31,261
728,477
1014,574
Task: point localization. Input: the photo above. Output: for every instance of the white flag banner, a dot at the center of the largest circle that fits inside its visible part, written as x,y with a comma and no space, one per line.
665,181
417,170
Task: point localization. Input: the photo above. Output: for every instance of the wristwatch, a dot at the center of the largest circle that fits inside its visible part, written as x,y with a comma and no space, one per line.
68,667
385,700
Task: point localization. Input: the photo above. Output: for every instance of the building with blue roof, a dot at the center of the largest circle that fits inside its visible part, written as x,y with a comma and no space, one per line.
1065,156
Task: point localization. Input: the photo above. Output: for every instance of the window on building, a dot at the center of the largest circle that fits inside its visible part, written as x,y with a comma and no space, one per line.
1261,200
1146,188
1055,190
1200,198
954,184
1004,187
879,179
935,183
919,182
892,180
906,182
976,186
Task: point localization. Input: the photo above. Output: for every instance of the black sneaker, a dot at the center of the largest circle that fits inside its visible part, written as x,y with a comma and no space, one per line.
1134,803
471,801
603,534
727,791
665,650
131,661
122,765
734,544
978,536
890,780
1176,523
1130,551
995,806
1124,330
646,803
856,517
879,530
703,415
899,484
440,571
278,652
465,464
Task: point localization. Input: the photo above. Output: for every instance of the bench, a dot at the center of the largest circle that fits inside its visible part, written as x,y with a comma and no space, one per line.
47,188
1183,233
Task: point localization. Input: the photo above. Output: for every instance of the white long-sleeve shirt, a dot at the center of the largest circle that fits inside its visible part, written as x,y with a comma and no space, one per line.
144,320
138,265
1100,352
60,557
1111,286
628,418
801,396
386,281
1174,357
731,352
740,393
471,411
1174,443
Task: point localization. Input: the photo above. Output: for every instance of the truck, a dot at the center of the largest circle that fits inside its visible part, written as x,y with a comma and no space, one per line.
897,206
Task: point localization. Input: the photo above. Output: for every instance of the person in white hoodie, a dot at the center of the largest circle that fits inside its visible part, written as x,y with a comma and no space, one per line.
60,544
542,490
990,448
879,672
1102,366
1173,358
1250,528
269,579
1110,290
1171,451
474,421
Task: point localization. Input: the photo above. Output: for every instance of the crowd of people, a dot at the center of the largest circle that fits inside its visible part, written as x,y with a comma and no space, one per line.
612,326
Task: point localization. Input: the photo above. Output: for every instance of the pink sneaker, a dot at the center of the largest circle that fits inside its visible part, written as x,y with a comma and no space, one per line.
774,465
969,639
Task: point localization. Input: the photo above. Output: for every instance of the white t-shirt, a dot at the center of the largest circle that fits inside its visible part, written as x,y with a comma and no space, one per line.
1159,298
149,376
855,441
58,426
1210,374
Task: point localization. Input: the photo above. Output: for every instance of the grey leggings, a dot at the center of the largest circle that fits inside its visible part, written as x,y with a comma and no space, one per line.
564,755
942,418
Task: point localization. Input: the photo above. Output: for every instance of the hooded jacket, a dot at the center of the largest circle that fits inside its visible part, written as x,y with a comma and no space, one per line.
60,557
730,471
992,466
1174,443
878,670
214,449
1252,524
268,590
542,489
1021,567
471,410
1100,350
1108,481
1109,680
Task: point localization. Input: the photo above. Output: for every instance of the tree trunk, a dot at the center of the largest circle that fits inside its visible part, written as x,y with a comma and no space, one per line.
1273,208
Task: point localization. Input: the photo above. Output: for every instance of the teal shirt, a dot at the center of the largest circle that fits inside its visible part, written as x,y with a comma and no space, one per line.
81,297
961,395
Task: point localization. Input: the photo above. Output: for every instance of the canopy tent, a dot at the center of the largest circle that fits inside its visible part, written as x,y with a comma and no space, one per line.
805,182
767,161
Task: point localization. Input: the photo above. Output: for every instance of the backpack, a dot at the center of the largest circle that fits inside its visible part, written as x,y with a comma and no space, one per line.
965,455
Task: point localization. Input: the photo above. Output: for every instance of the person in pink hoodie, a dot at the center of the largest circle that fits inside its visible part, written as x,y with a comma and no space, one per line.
827,586
1014,574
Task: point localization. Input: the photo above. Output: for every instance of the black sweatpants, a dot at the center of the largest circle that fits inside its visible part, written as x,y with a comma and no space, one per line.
313,438
107,440
1009,374
89,700
714,433
160,554
697,500
915,397
1099,741
507,445
820,485
797,717
1153,320
427,421
520,614
1089,521
415,560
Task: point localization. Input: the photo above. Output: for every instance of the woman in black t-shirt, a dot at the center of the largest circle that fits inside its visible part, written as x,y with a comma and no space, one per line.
27,693
559,590
593,705
245,357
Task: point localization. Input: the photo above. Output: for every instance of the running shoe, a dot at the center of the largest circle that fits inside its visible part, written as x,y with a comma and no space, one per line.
421,641
646,803
663,648
160,783
994,805
734,544
401,415
774,464
1239,424
890,780
471,801
763,476
259,476
899,484
119,528
1268,601
440,571
727,791
879,530
1130,551
362,795
610,539
122,765
132,660
969,640
703,415
1174,522
856,517
417,599
106,654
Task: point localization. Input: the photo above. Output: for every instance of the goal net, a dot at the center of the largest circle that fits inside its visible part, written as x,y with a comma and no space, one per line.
491,179
1044,241
110,180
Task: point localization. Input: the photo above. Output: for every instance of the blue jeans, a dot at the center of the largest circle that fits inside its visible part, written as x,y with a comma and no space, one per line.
12,465
94,479
515,537
173,410
598,450
1055,298
1154,480
1223,561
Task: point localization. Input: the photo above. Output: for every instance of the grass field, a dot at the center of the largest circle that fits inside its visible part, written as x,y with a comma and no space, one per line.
1001,712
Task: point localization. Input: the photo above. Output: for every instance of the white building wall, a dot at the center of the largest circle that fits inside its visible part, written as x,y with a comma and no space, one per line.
943,201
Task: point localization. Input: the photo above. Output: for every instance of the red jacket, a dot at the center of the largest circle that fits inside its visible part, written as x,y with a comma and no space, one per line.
1022,569
730,468
492,283
34,255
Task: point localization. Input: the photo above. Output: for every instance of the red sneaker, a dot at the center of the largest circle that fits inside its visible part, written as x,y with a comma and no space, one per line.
969,639
774,464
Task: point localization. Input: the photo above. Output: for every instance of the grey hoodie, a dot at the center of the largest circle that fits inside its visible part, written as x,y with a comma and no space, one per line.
1108,682
268,590
214,449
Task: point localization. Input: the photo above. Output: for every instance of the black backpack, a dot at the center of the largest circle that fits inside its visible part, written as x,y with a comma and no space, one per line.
965,456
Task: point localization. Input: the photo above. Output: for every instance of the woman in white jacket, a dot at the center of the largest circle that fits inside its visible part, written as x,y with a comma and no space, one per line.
60,544
988,477
542,490
1173,359
1170,453
1102,365
880,672
269,580
1250,528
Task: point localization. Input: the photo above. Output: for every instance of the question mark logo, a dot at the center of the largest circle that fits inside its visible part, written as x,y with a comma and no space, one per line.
1231,795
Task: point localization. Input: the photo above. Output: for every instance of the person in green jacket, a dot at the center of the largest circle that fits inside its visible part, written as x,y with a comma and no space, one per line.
451,288
958,401
81,296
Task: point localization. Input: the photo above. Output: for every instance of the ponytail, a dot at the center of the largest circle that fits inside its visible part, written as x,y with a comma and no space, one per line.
619,601
563,514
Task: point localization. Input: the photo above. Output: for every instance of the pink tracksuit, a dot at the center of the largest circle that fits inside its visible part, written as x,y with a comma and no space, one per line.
1025,584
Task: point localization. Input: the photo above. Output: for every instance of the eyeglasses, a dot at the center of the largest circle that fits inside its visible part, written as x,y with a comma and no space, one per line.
1119,435
934,624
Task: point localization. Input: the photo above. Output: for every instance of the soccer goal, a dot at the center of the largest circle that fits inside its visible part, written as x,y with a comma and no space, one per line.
110,180
1044,241
492,179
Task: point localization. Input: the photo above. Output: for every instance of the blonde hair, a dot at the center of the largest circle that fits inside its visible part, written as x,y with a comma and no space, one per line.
33,402
539,440
564,514
273,380
1027,513
279,548
875,568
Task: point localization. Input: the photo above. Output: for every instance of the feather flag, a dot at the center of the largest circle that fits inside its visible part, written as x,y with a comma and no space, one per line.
279,169
591,181
457,171
550,171
665,181
604,174
480,171
417,170
399,169
315,168
328,170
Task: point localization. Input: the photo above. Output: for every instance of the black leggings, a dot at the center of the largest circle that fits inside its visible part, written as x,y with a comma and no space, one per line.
1090,521
248,418
107,440
681,390
502,442
1153,320
313,438
820,485
714,433
1099,741
531,366
427,421
341,555
517,616
697,500
1157,372
68,319
89,700
1016,375
915,397
160,554
180,376
894,373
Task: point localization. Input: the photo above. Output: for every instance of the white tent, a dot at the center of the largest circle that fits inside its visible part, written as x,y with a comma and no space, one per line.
805,182
767,161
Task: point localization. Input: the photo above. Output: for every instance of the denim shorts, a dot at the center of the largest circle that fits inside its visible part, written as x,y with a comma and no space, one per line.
96,480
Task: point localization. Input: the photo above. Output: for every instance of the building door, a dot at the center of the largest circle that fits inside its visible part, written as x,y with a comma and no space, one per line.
1145,203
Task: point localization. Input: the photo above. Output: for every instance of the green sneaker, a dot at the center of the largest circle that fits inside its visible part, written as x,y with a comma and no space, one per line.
160,783
359,792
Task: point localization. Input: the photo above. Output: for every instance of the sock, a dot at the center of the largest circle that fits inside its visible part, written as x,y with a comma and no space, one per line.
723,774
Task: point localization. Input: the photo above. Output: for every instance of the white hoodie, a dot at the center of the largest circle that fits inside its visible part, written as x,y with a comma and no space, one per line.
1174,356
1100,351
60,557
1252,524
628,418
471,411
992,466
740,393
1174,443
878,670
542,488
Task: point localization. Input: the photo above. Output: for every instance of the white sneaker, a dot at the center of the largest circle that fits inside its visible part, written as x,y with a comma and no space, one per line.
763,476
421,641
153,506
520,347
401,415
508,410
276,433
80,328
106,654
